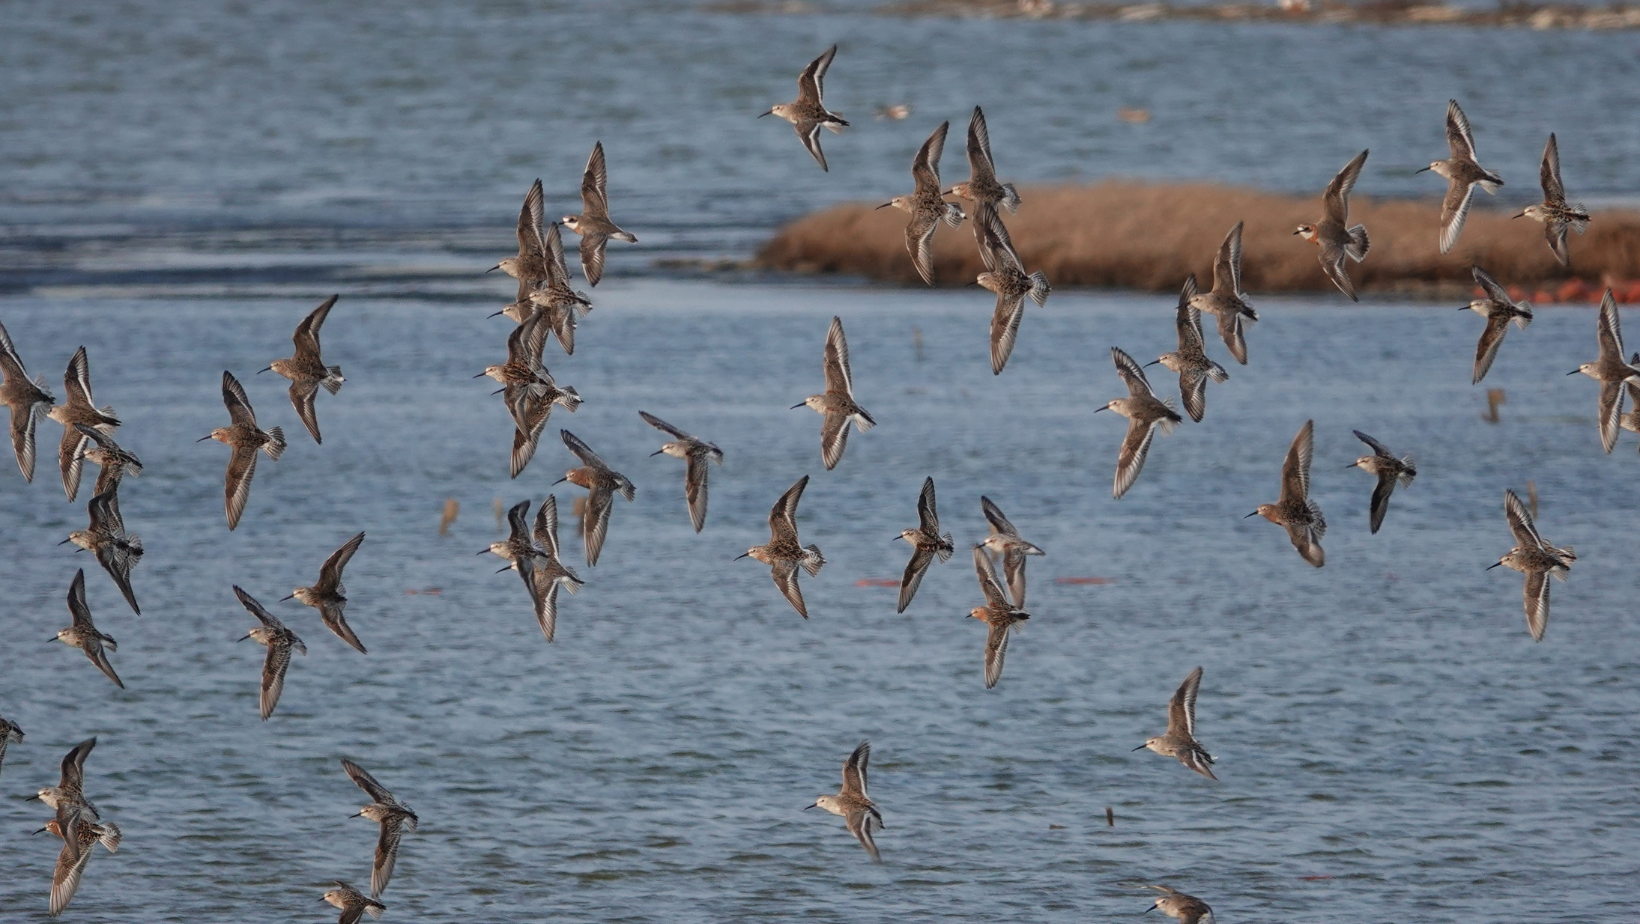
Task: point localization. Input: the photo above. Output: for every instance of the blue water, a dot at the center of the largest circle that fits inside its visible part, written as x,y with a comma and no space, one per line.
1391,743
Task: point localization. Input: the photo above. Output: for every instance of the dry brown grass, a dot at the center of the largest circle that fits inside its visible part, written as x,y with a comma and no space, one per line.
1149,236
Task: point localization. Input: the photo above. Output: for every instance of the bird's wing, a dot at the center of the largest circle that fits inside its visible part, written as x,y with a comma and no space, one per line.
387,852
273,674
989,585
1454,209
1380,498
306,337
1536,596
1520,522
1337,197
65,880
783,518
22,439
833,439
1234,335
546,526
980,165
530,219
546,609
557,264
1295,470
660,424
1332,263
1013,568
1459,137
76,602
694,489
1181,710
854,771
810,133
1554,231
233,396
582,450
921,558
925,168
595,522
256,609
919,241
595,184
366,782
1130,460
928,517
1487,349
1131,374
839,377
993,515
330,573
1193,391
1377,448
996,648
1005,321
302,393
77,381
784,573
811,83
117,561
1610,333
1554,192
859,824
1187,319
1489,285
1611,413
592,256
1227,265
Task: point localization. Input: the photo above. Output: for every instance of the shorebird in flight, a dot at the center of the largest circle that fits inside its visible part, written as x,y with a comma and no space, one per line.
808,113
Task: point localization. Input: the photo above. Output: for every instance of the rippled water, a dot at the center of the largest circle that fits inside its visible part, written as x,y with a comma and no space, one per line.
1385,722
269,148
176,192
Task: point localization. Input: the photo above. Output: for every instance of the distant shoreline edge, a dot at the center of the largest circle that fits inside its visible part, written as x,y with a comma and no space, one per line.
1149,236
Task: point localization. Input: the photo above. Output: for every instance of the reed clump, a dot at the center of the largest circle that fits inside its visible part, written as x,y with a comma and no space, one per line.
1149,236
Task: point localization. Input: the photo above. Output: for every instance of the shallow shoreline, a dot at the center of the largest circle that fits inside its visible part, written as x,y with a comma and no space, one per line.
1148,237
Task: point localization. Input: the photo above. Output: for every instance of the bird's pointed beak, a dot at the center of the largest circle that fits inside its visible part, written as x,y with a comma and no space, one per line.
1148,910
499,570
50,640
1521,215
1140,748
283,599
1253,514
33,798
42,830
355,815
1351,465
811,805
268,369
1574,372
656,453
770,112
241,639
795,407
203,438
740,556
1491,566
1156,363
481,375
496,315
1464,308
1298,232
561,480
65,541
885,205
1098,409
493,268
1423,170
483,551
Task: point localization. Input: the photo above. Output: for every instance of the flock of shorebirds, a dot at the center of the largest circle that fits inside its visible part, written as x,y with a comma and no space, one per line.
547,305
